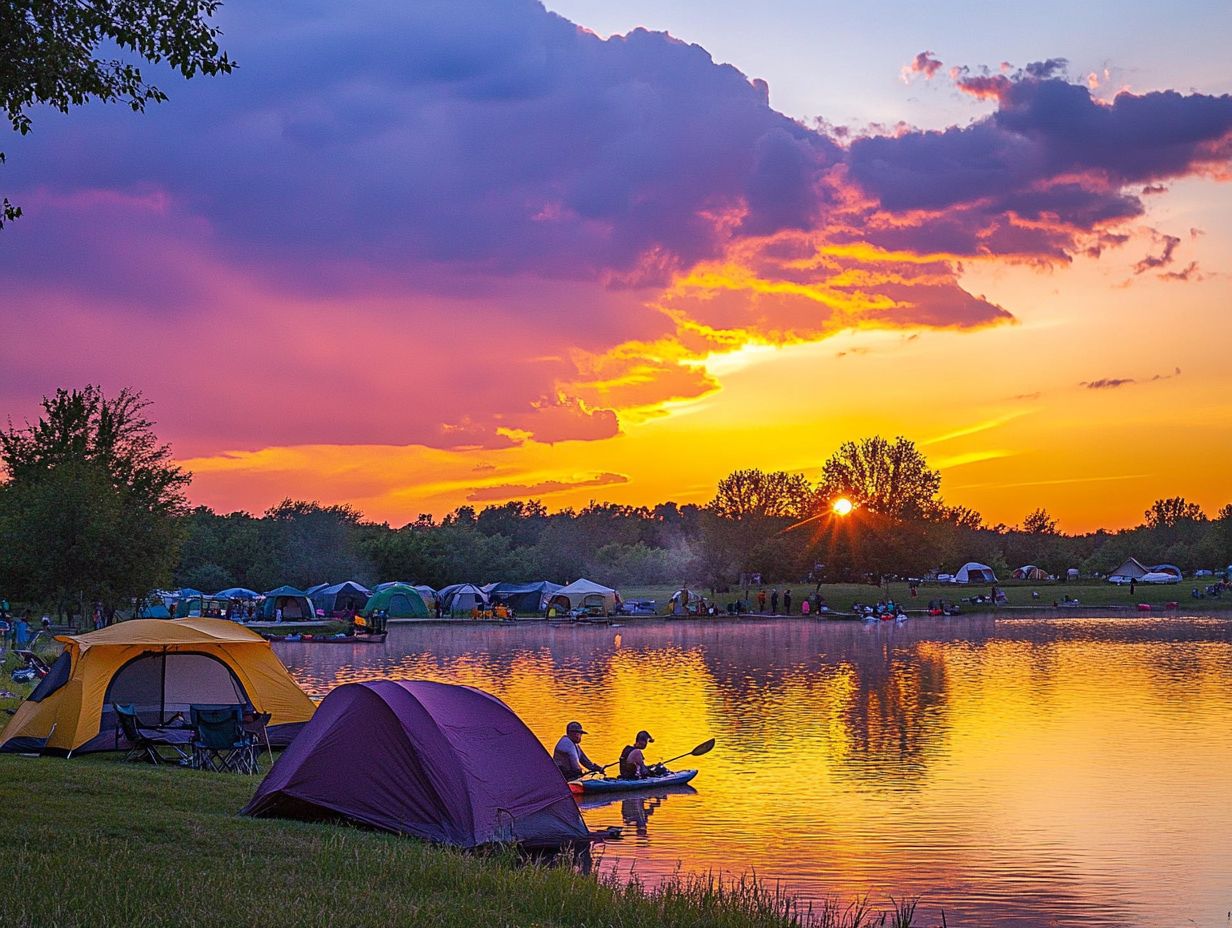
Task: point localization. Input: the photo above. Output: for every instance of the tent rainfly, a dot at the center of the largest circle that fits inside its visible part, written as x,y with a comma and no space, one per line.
579,593
399,600
161,668
417,758
527,599
1029,572
295,604
460,599
337,598
1130,569
238,592
975,572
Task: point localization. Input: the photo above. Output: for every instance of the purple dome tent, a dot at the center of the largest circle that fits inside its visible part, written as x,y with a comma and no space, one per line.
449,764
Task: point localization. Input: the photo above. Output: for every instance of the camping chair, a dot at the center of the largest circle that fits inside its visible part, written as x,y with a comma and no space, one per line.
144,743
220,742
258,726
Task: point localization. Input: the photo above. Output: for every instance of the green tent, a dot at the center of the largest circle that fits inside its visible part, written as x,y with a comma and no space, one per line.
399,602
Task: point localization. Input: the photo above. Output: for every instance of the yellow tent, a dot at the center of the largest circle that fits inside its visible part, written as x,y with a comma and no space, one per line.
161,667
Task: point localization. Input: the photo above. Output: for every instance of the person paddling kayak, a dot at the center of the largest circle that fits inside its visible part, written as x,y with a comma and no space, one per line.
633,761
569,757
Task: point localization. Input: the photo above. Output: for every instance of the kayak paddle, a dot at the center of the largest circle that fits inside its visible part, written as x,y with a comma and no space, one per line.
704,748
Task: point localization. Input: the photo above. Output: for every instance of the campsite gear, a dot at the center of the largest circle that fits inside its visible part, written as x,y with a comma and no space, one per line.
159,667
144,743
448,764
621,784
220,742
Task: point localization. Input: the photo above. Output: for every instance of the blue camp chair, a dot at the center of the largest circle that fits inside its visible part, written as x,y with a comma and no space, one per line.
220,742
144,744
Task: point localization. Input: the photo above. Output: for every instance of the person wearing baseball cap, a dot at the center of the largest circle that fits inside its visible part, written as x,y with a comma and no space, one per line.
633,761
568,755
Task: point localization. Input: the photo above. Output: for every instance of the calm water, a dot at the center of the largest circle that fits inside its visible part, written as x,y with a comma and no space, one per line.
1009,771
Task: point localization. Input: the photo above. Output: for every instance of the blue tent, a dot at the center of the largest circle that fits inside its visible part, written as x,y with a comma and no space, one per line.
524,598
459,599
337,598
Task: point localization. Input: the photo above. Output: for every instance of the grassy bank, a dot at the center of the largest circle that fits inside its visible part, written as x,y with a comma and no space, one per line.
1091,594
94,842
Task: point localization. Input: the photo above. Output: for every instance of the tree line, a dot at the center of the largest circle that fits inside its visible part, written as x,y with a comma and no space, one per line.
94,509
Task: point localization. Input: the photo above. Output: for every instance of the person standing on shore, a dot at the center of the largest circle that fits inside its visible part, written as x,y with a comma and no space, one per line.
774,601
787,602
761,601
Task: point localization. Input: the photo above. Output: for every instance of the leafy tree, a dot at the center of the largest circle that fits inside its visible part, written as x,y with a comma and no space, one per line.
91,506
756,494
1170,512
890,478
50,55
1039,522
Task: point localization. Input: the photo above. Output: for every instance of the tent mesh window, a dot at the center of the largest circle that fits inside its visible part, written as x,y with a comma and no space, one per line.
160,685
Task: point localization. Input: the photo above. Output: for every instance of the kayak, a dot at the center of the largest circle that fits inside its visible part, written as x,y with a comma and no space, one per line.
618,785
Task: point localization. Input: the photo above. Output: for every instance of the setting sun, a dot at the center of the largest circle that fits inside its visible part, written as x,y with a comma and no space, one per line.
842,506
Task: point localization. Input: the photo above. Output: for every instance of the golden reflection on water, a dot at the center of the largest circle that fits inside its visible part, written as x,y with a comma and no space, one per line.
1016,772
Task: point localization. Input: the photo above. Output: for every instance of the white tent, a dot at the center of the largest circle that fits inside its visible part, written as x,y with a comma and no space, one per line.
578,590
1159,576
975,572
1131,569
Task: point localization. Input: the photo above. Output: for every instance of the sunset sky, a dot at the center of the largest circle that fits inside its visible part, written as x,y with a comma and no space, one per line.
412,256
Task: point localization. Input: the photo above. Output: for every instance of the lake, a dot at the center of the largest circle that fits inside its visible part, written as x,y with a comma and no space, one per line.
1017,772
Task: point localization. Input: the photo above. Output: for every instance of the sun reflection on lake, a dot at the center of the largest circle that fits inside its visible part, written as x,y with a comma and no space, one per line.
1018,771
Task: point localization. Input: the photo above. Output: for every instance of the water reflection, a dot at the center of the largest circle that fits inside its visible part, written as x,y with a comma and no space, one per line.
636,807
1016,772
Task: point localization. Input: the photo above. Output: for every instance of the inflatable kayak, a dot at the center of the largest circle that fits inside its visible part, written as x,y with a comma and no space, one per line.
618,785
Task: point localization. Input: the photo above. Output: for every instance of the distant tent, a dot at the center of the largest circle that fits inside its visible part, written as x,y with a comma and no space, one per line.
1159,576
1029,572
1071,573
1168,569
578,591
161,668
295,605
461,599
524,598
337,598
185,591
1131,569
399,601
237,592
428,594
447,764
975,572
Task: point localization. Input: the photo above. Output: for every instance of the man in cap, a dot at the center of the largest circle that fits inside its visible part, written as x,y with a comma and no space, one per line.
569,757
633,761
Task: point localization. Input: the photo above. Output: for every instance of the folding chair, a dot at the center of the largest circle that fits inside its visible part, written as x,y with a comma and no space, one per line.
143,743
220,742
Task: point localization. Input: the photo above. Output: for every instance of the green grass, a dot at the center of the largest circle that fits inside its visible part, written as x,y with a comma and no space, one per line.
840,596
94,842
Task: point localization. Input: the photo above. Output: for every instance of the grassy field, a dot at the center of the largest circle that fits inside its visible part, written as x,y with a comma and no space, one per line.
840,596
96,843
